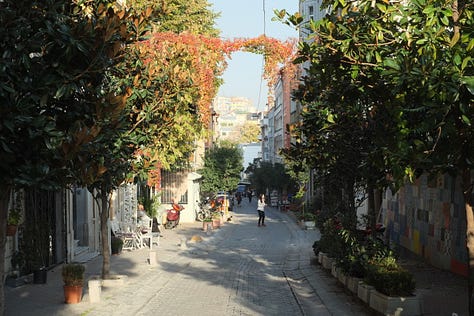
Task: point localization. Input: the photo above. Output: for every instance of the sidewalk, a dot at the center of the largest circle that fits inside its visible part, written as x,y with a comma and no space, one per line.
48,299
443,292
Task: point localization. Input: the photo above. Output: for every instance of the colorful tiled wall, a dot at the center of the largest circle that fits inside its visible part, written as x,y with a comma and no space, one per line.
428,218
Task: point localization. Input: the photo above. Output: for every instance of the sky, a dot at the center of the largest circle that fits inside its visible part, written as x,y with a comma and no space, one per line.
245,18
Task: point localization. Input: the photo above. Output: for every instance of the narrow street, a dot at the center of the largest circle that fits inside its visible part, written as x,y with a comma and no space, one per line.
244,270
239,269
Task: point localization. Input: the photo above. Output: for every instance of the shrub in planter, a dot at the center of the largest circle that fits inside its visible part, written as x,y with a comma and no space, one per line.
390,278
316,248
330,242
116,245
73,274
73,278
353,257
307,217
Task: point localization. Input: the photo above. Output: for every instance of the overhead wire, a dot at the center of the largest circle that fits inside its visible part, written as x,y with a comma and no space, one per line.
263,58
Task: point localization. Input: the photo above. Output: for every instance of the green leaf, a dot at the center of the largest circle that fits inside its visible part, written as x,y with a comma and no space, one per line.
469,82
330,118
389,62
381,7
465,62
466,120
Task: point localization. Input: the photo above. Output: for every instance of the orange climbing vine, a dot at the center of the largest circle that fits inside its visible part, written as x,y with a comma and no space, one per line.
185,69
206,59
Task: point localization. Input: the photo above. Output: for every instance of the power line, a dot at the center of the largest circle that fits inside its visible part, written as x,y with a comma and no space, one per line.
263,58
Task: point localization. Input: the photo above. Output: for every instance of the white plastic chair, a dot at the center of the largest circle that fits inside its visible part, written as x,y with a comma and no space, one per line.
146,232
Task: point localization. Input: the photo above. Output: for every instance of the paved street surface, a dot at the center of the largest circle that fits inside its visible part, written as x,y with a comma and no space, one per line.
239,269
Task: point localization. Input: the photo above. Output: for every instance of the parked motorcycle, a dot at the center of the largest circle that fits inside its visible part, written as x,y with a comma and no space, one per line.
207,207
172,216
204,210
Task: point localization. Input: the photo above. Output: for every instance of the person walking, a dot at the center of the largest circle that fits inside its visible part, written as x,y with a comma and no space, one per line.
261,210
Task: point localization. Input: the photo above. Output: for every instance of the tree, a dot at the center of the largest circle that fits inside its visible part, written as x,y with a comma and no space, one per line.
422,53
269,176
222,167
180,16
55,56
249,133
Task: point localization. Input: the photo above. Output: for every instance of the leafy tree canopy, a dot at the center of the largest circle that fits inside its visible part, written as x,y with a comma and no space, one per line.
265,176
222,168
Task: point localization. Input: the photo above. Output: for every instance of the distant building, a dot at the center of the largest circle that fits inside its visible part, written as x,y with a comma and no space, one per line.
233,113
250,152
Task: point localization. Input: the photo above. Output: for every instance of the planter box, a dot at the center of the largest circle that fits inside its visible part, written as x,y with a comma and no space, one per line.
320,257
352,284
327,262
116,280
364,292
95,290
334,270
309,225
342,277
403,306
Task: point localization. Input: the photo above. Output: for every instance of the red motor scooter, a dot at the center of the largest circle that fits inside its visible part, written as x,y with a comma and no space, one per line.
172,216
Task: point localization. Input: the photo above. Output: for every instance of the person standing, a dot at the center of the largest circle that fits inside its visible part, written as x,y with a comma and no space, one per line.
249,195
261,210
238,196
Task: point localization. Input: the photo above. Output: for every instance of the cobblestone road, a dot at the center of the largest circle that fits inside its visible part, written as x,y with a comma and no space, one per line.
240,269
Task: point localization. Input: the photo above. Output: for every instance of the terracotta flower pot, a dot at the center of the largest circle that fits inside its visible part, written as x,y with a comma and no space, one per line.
206,226
11,230
72,294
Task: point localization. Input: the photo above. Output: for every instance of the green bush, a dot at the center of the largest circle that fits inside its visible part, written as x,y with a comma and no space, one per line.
367,258
14,217
390,278
307,216
73,274
330,242
116,245
354,256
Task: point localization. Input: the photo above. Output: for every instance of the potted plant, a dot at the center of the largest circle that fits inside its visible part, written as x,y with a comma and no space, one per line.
207,224
394,288
73,278
116,245
308,219
216,219
14,219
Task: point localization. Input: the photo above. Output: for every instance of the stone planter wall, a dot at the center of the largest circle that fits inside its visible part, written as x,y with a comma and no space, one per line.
327,262
320,257
352,284
387,305
334,270
363,292
342,277
309,225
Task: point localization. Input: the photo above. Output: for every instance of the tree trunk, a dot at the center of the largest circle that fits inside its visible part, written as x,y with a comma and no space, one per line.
467,192
4,199
371,213
104,232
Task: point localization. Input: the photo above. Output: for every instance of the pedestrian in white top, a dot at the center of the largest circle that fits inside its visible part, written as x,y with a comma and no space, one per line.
261,210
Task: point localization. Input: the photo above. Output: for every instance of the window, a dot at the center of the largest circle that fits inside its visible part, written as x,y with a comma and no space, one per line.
174,186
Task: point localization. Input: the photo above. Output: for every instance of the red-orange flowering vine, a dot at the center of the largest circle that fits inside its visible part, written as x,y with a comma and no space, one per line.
276,54
208,58
186,69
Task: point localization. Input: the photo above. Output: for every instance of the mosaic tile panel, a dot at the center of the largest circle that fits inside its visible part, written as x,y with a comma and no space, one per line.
428,218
